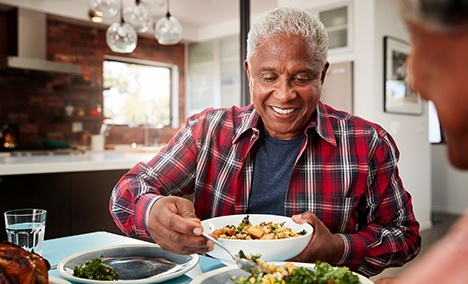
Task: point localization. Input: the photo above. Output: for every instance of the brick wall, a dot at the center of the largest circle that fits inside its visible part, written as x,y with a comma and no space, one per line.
35,101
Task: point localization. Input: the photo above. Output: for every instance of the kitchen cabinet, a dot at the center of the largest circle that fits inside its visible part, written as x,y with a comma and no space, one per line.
214,80
90,193
202,70
337,91
76,202
231,69
337,19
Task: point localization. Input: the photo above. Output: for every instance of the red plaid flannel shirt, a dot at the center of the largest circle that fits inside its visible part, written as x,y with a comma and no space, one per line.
346,173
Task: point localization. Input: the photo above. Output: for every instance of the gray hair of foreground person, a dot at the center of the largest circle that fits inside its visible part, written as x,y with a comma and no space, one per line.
292,21
442,15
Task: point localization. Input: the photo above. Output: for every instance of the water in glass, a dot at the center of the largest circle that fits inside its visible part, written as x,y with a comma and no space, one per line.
26,228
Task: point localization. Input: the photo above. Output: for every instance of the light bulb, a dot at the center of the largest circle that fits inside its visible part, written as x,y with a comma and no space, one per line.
104,8
95,17
121,37
137,15
168,30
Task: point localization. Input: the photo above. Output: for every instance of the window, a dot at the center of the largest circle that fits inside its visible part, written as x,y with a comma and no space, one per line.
137,93
436,134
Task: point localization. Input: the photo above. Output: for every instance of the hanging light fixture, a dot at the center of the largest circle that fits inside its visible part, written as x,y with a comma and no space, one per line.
121,37
95,17
104,8
137,15
168,29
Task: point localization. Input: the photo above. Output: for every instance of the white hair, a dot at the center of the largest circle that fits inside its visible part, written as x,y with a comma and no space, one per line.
291,21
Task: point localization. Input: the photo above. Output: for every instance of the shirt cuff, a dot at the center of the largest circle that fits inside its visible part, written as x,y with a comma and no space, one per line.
142,210
355,251
346,252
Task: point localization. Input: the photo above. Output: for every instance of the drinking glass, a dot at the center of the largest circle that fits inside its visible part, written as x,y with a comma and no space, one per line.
26,228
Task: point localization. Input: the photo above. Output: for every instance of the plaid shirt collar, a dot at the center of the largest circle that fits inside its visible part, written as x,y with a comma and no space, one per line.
320,121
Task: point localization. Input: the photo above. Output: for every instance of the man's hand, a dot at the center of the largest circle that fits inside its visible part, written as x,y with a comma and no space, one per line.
323,245
173,225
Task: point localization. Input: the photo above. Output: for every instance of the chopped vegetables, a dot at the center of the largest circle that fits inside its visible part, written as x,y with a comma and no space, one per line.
95,269
288,273
263,231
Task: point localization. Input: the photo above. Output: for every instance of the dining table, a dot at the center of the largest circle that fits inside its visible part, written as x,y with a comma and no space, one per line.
55,250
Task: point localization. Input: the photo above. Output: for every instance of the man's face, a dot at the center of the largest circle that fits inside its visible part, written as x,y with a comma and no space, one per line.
284,88
439,72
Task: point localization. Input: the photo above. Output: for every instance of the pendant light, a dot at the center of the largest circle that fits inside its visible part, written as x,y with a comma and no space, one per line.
94,16
168,29
104,8
137,15
121,37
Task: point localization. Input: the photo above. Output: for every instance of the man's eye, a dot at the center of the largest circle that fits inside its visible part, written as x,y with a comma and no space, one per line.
302,79
269,78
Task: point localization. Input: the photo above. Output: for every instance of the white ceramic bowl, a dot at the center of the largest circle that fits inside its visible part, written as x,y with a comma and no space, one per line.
271,250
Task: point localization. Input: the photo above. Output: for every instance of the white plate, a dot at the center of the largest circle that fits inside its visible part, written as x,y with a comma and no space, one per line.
55,280
223,275
183,263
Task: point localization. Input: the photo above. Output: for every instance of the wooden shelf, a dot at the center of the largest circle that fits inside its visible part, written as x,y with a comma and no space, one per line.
86,118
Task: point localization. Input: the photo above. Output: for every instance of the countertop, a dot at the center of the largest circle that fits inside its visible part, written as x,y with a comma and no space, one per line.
87,161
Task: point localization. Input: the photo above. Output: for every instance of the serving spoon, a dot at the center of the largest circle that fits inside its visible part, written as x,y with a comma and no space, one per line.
244,264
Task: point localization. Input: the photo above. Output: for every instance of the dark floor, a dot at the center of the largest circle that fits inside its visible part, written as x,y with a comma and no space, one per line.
441,223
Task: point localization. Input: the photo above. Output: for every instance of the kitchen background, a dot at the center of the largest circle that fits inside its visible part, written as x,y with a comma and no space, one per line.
36,102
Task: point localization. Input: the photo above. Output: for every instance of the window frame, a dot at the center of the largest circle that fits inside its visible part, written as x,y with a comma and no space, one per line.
174,83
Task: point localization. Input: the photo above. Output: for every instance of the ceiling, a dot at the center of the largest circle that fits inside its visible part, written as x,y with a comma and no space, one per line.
198,17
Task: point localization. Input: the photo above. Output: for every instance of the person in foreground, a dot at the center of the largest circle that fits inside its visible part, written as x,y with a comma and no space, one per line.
439,72
285,154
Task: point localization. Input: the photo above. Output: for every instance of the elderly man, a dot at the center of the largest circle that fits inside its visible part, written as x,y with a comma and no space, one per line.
285,154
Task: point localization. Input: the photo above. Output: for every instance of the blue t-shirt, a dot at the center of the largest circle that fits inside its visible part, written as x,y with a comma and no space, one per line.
274,163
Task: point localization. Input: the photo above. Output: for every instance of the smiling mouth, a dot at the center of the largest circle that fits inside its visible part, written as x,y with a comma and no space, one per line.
282,111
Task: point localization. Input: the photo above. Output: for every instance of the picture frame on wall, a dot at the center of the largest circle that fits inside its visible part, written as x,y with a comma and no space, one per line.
398,95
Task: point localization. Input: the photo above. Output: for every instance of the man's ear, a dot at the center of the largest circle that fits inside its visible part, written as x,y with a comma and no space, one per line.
247,69
324,72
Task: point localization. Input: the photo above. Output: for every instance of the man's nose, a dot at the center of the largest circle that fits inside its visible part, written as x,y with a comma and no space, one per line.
285,90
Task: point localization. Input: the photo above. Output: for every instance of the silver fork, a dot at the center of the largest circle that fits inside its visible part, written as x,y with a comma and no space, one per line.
244,264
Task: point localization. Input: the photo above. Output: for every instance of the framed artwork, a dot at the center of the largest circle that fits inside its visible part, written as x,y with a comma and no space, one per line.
398,95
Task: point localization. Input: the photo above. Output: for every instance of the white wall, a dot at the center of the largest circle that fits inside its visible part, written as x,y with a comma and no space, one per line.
446,189
410,132
449,185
